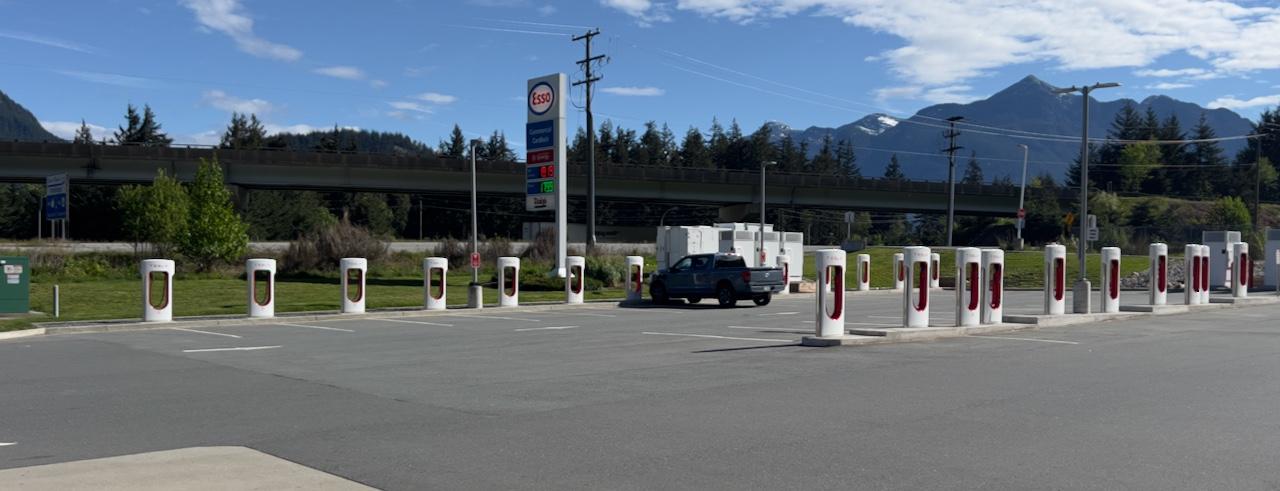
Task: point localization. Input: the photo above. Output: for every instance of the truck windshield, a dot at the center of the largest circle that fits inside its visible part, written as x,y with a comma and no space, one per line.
730,262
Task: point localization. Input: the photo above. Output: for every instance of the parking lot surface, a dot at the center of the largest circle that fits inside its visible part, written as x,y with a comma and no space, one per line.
683,396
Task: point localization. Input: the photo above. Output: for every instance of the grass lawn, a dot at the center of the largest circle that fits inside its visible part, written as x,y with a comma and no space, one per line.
1022,269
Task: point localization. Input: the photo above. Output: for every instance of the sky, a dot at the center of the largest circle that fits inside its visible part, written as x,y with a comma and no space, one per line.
419,67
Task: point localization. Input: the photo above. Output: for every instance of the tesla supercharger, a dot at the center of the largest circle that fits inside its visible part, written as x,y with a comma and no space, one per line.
435,271
157,272
1206,278
935,268
1110,279
1158,274
261,274
1243,269
635,278
863,272
784,262
992,286
576,281
353,270
899,272
509,281
830,301
915,293
1191,262
1055,279
968,286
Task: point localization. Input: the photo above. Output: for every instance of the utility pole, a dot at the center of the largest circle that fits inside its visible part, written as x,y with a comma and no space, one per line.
951,176
588,80
1081,293
1022,194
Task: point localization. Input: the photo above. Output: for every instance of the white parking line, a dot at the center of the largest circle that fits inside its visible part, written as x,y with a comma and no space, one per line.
245,348
1028,339
780,313
551,328
316,327
805,331
206,332
580,313
494,317
871,324
416,322
8,444
720,337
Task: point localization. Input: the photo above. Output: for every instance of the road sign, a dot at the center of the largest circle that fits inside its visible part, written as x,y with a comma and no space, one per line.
849,217
1093,234
475,260
1022,213
1070,218
56,197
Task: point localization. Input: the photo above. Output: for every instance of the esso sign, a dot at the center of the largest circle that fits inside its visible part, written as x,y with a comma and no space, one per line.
541,98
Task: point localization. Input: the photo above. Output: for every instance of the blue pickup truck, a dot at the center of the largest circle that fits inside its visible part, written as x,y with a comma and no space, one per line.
724,277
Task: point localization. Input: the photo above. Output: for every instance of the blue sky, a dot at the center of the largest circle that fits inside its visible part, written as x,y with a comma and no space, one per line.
420,67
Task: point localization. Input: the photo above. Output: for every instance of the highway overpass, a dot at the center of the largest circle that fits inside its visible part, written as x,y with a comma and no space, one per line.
266,169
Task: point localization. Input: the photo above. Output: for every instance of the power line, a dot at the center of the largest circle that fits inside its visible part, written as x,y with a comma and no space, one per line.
588,80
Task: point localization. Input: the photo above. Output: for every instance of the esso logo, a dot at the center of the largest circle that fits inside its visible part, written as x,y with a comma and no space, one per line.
541,97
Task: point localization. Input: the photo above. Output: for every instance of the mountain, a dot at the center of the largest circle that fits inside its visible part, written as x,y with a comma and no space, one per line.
1027,112
17,123
859,133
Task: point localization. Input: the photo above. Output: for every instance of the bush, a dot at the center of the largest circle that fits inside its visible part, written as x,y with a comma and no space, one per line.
321,251
608,271
542,248
455,251
492,249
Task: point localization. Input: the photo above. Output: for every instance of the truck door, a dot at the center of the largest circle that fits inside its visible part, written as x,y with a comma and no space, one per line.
701,269
679,277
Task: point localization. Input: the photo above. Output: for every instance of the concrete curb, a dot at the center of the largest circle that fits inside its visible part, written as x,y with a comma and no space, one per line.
88,327
39,331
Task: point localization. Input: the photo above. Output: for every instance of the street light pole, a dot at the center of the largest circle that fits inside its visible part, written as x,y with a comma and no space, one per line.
1022,194
763,164
663,219
475,294
1080,295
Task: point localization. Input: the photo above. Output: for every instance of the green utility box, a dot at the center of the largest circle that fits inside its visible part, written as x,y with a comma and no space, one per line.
15,289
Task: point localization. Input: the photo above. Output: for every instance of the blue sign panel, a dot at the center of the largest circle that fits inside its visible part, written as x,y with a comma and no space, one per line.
541,134
55,207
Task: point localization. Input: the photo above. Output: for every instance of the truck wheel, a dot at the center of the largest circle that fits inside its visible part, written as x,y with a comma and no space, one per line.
762,300
694,299
658,292
726,296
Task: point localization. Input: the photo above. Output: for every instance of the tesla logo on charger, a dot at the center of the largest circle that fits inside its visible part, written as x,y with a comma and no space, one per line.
541,97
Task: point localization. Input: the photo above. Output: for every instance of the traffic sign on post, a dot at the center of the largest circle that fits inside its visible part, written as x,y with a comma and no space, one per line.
475,260
55,197
1022,213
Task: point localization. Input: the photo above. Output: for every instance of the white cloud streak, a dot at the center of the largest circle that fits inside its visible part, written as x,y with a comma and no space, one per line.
436,98
1167,86
634,91
111,79
945,42
228,17
1170,72
67,129
1231,102
646,12
45,41
343,72
230,103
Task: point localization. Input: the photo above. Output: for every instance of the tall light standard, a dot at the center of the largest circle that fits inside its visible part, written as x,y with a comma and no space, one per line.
475,293
1022,194
1080,294
762,166
663,219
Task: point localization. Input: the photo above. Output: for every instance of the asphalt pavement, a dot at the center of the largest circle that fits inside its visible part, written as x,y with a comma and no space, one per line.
673,397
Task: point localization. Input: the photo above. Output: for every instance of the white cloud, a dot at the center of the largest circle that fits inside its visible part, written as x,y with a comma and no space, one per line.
111,79
341,71
230,103
410,106
948,41
436,98
936,95
377,84
302,129
546,10
227,17
908,92
646,12
1231,102
67,129
1167,86
45,41
634,91
210,138
1168,72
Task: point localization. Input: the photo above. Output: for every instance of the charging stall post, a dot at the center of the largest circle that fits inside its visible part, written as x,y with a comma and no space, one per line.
968,286
915,294
262,298
993,286
576,280
157,271
435,283
1110,279
864,272
508,281
353,271
830,295
1055,279
635,278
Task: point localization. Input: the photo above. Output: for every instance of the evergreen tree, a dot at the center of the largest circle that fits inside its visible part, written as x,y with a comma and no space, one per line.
1163,178
624,146
83,134
824,162
244,133
1150,125
497,148
1136,163
757,149
848,162
215,232
605,143
456,147
285,215
790,157
894,171
734,149
1209,175
1127,125
718,145
669,150
650,151
973,170
129,134
693,151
